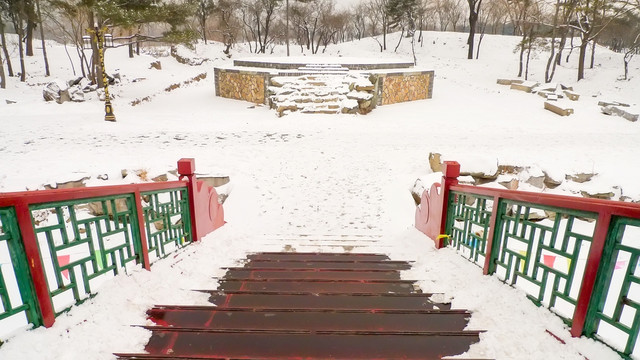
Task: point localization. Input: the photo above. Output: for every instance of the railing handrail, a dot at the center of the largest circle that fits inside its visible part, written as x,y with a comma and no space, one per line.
613,207
53,195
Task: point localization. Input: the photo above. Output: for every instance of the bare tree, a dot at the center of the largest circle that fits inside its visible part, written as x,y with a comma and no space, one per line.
474,12
591,18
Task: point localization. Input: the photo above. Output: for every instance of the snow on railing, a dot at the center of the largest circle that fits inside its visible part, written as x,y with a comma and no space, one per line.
58,246
578,257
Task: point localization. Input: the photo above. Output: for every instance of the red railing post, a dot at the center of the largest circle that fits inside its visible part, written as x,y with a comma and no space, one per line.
187,169
493,221
450,173
144,247
36,269
590,272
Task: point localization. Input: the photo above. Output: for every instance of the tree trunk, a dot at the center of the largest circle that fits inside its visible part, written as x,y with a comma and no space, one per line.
473,20
593,53
23,70
526,71
3,79
29,37
44,46
400,40
384,34
582,55
522,45
5,50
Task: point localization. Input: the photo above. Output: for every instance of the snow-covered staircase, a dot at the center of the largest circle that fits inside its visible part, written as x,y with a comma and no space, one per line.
327,90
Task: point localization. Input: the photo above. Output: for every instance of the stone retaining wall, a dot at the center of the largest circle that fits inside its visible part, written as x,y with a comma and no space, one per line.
242,85
404,86
391,87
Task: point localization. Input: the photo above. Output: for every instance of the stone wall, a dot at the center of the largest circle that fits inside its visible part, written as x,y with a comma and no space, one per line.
242,85
404,86
390,87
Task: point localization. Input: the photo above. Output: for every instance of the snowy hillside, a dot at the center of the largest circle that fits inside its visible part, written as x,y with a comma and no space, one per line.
317,174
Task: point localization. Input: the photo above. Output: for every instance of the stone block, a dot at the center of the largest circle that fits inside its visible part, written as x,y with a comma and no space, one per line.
558,109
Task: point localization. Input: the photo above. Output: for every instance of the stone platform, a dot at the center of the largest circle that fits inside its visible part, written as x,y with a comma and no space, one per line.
291,84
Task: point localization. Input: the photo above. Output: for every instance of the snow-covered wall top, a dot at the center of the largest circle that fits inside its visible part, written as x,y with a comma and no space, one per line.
352,63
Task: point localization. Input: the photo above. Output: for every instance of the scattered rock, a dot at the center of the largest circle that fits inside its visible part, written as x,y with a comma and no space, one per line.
615,110
526,86
9,102
103,177
612,103
571,95
162,177
511,185
558,109
124,173
214,181
156,65
606,196
53,91
580,178
509,169
68,185
435,162
537,181
96,208
550,182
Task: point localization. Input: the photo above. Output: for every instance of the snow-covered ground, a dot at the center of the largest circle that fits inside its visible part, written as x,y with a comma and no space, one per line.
324,175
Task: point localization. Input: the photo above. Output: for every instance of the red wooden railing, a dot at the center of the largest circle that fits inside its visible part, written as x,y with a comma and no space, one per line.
206,215
432,215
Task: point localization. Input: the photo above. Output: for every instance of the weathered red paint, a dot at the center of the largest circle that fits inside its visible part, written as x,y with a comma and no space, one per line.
207,213
44,196
615,208
36,268
144,247
590,273
490,234
431,214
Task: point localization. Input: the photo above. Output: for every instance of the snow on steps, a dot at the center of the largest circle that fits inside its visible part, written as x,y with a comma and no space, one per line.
330,91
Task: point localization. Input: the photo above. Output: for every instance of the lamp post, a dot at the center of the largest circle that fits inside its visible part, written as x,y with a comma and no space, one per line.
103,39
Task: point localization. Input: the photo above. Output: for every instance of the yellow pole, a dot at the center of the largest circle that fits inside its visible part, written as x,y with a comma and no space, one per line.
108,109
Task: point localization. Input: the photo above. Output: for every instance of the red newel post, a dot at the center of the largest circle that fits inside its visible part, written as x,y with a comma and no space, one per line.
431,215
590,273
38,276
450,173
187,169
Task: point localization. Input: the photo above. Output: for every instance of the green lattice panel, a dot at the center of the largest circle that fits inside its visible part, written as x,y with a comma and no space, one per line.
17,304
83,243
167,221
614,315
468,224
543,251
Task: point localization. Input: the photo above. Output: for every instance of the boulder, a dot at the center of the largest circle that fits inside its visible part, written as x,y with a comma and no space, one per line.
156,65
56,91
76,94
435,162
615,110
